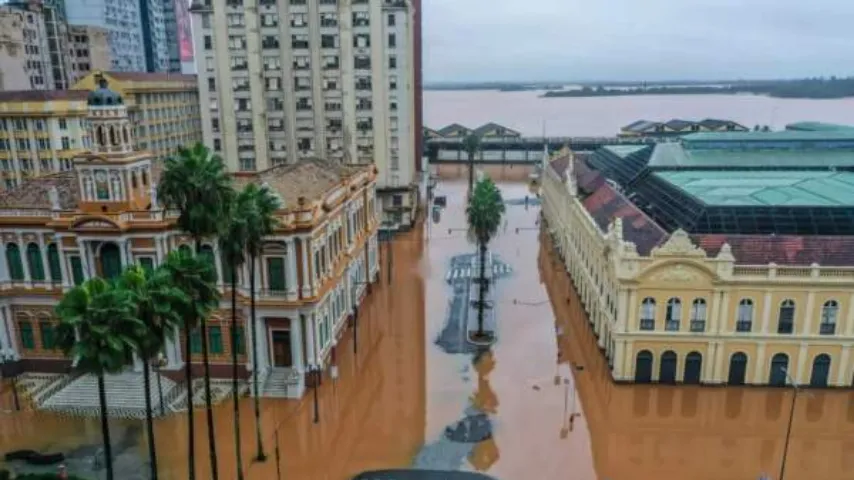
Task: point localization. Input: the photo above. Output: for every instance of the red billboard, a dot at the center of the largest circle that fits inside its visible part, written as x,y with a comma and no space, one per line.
185,31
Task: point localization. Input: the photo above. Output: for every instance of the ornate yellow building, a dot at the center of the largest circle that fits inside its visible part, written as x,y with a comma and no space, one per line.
687,278
103,214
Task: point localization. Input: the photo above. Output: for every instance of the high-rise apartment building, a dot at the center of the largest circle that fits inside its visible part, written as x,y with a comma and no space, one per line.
26,48
89,50
281,80
123,21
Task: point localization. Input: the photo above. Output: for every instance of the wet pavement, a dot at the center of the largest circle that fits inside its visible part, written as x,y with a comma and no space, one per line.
538,405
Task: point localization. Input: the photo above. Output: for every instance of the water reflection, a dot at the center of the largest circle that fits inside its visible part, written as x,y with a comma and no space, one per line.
667,432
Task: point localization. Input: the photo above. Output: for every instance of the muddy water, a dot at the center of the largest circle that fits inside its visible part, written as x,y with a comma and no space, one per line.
401,392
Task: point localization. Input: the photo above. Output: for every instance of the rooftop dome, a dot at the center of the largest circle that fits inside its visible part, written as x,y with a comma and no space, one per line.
103,96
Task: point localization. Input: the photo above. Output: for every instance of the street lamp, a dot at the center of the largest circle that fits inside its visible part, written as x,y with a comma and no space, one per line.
315,372
9,361
158,363
795,390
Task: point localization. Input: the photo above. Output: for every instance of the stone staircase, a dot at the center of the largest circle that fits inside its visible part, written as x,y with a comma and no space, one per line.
283,383
125,395
220,391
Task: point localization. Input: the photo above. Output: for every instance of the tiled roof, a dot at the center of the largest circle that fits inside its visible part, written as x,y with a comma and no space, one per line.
559,165
42,95
33,193
587,178
679,124
824,250
310,178
494,126
453,128
606,204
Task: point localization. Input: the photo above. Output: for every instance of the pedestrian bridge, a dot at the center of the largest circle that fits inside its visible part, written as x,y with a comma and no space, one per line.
516,150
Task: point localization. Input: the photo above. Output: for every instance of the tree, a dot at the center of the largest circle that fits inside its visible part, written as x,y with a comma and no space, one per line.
261,204
156,303
472,145
98,328
232,249
197,184
484,213
195,277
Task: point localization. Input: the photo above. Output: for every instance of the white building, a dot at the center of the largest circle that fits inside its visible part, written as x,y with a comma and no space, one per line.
283,80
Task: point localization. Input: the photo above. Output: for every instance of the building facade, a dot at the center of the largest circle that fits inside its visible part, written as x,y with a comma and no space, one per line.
41,132
103,214
89,51
163,108
123,21
751,290
26,62
280,81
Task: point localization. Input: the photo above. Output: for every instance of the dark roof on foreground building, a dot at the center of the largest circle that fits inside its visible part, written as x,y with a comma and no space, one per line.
490,129
680,126
792,206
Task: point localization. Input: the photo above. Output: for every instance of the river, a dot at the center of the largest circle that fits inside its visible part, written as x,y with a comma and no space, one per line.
601,116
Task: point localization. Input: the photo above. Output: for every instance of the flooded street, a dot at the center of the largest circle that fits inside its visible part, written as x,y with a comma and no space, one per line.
399,401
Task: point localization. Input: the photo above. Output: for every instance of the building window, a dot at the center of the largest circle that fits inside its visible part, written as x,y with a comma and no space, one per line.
76,269
276,274
744,323
28,340
215,339
147,263
392,62
673,315
698,315
392,40
647,314
48,335
829,313
208,40
786,320
238,340
14,262
54,263
391,20
195,341
63,124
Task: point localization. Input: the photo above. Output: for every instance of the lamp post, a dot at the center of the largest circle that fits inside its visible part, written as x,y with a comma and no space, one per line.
9,361
795,390
160,362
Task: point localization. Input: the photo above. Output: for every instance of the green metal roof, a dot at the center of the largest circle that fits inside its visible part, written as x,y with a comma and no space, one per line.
624,151
765,188
670,155
784,135
817,126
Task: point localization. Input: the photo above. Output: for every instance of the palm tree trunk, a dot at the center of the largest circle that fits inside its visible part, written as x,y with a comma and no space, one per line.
471,173
481,293
260,456
188,376
236,400
105,427
149,420
208,404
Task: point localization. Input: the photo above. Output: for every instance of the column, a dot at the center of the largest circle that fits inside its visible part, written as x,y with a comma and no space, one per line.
84,258
296,344
247,334
263,360
717,374
724,309
619,358
709,362
713,316
23,249
842,376
110,185
759,362
306,278
123,252
766,312
311,342
798,375
291,279
808,314
218,265
173,351
849,323
45,264
158,250
4,267
5,341
628,371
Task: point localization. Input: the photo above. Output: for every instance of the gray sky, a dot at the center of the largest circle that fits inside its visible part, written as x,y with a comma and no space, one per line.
483,40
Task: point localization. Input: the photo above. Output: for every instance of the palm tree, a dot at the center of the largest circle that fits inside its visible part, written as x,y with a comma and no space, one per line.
155,299
232,248
260,218
195,277
471,144
98,328
197,184
484,212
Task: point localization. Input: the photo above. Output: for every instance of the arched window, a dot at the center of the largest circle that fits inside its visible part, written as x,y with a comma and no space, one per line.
667,369
779,370
698,315
114,136
13,260
647,314
102,136
744,323
737,369
820,370
693,368
54,263
48,334
28,338
111,261
829,313
643,367
34,260
673,315
786,318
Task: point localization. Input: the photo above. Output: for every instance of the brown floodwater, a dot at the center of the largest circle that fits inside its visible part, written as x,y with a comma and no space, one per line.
401,391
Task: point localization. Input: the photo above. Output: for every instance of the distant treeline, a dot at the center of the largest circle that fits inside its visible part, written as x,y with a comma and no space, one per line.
832,87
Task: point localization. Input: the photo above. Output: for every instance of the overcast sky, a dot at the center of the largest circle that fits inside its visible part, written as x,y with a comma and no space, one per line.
481,40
